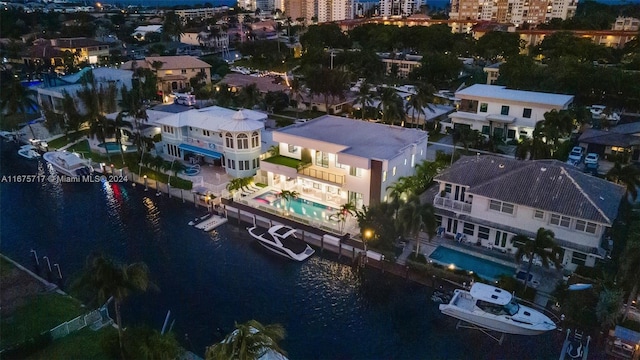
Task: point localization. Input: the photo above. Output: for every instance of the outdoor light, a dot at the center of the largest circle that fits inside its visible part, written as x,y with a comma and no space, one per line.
452,267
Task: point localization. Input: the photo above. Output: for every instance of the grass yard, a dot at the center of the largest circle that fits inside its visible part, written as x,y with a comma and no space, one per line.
69,346
283,160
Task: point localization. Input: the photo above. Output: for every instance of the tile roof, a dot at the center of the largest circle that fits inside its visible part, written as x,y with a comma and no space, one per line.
168,62
360,138
548,185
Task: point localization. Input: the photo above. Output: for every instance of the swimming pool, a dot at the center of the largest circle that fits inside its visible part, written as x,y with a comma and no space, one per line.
299,206
113,146
486,269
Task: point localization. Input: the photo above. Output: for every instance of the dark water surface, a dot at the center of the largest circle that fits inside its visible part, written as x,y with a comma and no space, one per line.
210,281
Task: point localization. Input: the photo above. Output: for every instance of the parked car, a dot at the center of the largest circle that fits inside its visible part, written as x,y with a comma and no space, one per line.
591,158
575,156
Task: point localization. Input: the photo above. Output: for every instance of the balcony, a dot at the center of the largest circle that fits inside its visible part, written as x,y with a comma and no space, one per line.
202,144
446,203
319,174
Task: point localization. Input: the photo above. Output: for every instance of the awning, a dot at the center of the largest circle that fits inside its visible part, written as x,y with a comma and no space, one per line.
201,151
501,118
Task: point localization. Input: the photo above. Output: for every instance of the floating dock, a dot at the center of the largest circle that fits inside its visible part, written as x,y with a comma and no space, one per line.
211,223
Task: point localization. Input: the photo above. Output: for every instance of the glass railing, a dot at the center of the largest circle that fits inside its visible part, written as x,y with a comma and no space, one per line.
455,205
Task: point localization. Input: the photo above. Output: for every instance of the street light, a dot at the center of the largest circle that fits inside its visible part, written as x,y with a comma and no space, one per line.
367,235
146,188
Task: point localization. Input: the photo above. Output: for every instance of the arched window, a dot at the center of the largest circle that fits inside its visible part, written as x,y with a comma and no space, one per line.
229,140
255,139
243,141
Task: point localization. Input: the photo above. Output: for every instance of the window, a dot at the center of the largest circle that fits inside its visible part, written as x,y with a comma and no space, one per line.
511,134
469,228
486,129
538,214
526,113
183,71
355,171
496,205
292,148
483,232
586,226
504,110
231,164
255,139
447,188
578,258
393,171
229,140
413,160
560,220
243,165
243,141
322,159
384,176
206,132
483,107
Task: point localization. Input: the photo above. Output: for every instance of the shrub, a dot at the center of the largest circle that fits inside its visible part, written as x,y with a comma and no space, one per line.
28,347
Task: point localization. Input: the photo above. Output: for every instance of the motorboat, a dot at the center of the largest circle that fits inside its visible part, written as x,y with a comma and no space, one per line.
495,309
68,163
29,152
282,240
6,135
200,219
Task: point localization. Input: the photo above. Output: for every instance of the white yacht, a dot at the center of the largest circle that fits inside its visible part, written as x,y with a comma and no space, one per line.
495,309
68,163
29,152
282,240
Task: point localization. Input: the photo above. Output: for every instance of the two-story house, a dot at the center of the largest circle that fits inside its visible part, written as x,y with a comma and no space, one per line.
340,160
215,135
174,72
487,200
497,111
85,49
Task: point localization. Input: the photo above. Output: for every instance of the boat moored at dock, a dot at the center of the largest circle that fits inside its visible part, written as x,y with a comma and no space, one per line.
68,163
282,240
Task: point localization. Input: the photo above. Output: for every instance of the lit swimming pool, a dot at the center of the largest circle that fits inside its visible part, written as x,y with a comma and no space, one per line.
113,146
298,206
486,269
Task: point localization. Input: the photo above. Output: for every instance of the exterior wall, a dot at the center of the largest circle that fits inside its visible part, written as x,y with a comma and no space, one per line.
404,66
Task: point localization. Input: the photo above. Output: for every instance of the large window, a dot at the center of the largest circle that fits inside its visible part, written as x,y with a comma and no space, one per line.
255,139
559,220
504,110
526,113
538,214
578,258
229,140
322,159
469,228
243,141
586,226
355,171
486,130
243,165
483,232
504,207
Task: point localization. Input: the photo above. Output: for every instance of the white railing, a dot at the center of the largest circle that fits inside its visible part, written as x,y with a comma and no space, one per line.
455,205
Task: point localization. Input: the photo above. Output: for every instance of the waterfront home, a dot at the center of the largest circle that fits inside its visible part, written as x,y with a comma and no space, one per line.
174,72
487,200
497,111
215,136
621,143
340,160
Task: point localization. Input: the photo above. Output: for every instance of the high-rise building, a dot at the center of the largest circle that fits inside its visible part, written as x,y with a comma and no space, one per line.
401,7
517,12
253,5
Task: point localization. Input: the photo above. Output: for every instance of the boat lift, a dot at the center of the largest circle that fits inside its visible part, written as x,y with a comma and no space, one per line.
490,333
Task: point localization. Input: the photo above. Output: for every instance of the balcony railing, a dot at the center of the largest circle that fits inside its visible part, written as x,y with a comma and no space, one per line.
201,143
454,205
322,175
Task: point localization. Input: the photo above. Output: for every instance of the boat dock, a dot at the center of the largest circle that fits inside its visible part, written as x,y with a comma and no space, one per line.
211,223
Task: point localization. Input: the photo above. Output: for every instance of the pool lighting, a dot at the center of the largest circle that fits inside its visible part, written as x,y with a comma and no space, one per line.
452,266
470,272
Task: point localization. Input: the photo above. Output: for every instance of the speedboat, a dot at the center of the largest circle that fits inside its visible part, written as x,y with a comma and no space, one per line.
6,135
200,219
68,163
282,240
497,310
29,152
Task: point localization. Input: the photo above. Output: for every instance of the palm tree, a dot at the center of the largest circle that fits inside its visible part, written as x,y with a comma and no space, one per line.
105,279
391,105
414,217
98,100
295,93
364,97
630,269
249,96
425,94
629,176
416,104
249,341
424,174
346,210
543,246
17,99
608,307
288,195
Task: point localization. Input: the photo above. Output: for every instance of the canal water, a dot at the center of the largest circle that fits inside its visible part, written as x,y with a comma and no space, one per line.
210,280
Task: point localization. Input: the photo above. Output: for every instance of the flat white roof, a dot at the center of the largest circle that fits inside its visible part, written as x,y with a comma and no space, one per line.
502,93
209,118
360,138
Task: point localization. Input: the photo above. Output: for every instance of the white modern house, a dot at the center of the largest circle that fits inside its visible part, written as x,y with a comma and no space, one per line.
498,111
339,160
487,200
216,136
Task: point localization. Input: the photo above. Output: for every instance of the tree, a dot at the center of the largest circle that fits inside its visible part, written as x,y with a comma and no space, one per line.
346,210
104,279
327,83
415,104
497,45
630,269
391,105
249,341
250,96
543,246
628,176
364,97
172,27
98,100
556,125
414,217
17,99
288,195
608,307
295,93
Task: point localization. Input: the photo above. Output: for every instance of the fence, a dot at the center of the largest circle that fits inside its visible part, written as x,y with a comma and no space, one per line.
93,319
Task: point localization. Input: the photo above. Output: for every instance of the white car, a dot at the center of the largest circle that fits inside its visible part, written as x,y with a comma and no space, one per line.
575,156
591,159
